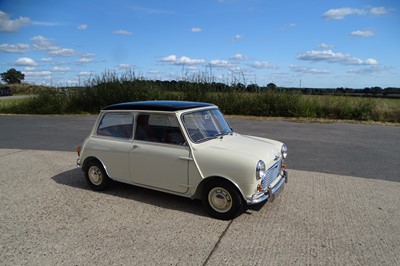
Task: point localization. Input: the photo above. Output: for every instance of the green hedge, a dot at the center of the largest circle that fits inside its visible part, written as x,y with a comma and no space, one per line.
279,103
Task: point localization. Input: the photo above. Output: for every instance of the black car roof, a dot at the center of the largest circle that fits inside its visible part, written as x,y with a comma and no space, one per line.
157,105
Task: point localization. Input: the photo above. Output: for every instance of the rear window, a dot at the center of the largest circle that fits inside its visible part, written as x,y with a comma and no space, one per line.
117,125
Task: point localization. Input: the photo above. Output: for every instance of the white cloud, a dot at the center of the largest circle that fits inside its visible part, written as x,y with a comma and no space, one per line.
340,13
184,60
85,73
122,32
378,10
64,52
307,70
29,68
240,71
41,73
361,33
329,56
45,23
83,27
18,48
192,69
325,46
195,29
25,61
221,63
288,26
239,57
124,66
370,61
169,59
46,59
261,65
85,60
237,37
88,55
43,44
9,25
61,69
153,72
368,70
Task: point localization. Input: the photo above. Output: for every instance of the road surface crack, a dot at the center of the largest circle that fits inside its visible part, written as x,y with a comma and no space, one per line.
217,244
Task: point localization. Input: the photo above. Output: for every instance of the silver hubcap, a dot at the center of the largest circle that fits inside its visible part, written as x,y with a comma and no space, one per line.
95,175
220,199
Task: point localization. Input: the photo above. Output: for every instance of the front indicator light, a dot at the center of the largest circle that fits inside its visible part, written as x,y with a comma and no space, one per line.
259,187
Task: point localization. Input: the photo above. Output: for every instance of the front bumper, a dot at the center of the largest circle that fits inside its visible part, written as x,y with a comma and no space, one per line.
271,192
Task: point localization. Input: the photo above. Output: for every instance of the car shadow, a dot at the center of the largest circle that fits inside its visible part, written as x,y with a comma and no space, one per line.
76,179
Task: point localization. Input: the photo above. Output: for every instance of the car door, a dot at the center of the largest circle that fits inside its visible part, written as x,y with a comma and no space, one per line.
159,157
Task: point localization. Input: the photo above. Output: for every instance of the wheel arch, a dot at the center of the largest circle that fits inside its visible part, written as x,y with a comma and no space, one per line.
93,159
205,181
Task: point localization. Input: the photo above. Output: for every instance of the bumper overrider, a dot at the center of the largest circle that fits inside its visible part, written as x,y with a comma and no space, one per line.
78,160
272,191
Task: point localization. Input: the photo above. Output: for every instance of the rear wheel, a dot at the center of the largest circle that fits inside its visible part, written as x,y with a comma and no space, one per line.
96,176
222,200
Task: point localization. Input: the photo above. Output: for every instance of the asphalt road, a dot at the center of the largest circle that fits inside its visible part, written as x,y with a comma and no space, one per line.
368,151
49,216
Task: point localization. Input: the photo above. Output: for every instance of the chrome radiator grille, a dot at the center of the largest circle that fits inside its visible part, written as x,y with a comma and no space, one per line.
271,174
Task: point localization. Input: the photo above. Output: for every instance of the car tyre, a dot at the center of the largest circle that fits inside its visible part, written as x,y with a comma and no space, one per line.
96,176
222,200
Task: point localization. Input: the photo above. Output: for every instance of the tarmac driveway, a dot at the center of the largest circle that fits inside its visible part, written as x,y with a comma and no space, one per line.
48,216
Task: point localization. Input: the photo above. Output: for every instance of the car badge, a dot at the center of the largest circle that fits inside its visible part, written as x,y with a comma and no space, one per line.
276,158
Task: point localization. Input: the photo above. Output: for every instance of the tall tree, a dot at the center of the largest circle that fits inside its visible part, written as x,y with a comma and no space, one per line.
12,76
271,86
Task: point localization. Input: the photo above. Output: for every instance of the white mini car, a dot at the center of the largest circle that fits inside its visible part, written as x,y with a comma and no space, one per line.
183,148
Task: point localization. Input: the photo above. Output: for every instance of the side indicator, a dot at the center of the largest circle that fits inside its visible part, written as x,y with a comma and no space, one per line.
78,150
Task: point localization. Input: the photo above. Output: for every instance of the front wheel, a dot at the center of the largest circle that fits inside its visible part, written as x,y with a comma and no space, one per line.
222,200
96,176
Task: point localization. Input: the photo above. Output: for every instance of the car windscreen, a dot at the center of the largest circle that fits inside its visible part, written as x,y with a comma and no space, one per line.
206,124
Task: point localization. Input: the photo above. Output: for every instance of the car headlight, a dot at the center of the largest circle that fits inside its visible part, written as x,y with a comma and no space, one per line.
260,169
284,151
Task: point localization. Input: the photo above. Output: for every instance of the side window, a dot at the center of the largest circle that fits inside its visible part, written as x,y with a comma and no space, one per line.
117,125
159,128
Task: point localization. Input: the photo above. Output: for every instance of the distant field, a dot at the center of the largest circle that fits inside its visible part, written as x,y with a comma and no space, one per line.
14,97
9,101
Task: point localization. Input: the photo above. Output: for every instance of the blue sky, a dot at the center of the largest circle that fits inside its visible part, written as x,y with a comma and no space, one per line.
310,43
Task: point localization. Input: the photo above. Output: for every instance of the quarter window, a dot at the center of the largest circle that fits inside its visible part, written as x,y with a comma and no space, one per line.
117,125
